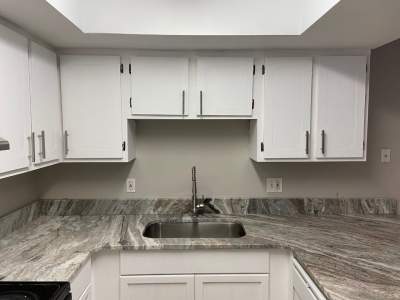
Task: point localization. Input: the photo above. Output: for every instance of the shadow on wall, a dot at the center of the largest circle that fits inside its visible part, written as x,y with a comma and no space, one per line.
166,151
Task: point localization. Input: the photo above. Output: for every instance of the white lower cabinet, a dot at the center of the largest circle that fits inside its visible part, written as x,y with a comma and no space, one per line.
303,287
198,287
231,287
157,287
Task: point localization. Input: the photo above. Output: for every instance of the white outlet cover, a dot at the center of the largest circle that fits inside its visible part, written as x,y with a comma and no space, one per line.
131,185
386,155
274,185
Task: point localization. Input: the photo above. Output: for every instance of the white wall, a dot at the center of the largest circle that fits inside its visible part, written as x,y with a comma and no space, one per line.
18,191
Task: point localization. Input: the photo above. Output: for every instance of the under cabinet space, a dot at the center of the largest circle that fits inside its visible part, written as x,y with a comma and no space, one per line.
46,138
14,102
160,86
287,107
92,109
225,86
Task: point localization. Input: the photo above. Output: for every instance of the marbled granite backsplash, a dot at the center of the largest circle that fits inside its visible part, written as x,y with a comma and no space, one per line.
243,207
267,206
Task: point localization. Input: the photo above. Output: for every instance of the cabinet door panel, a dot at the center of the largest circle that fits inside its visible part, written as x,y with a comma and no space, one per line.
340,99
45,104
287,109
163,287
91,101
14,100
226,85
232,287
160,86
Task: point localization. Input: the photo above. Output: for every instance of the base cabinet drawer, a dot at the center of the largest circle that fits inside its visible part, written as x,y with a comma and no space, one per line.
231,287
157,287
195,287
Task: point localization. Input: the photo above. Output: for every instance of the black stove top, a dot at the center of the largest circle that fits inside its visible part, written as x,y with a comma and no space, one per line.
34,291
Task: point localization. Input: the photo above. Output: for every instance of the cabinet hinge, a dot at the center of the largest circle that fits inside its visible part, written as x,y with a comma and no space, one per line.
363,145
130,102
252,104
123,146
262,147
263,69
121,68
254,69
366,68
130,69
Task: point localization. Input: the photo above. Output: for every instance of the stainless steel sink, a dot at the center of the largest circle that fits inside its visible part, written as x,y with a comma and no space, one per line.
194,230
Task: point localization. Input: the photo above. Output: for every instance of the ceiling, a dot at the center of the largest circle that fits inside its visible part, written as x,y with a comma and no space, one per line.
349,24
193,17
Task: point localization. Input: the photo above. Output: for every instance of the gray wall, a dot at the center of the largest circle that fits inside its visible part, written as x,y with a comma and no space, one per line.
18,191
166,150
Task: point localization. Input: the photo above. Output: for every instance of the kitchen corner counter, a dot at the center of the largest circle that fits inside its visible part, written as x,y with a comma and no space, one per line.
348,257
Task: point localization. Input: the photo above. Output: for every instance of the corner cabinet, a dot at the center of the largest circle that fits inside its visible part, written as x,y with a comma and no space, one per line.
315,109
14,102
46,137
225,86
93,118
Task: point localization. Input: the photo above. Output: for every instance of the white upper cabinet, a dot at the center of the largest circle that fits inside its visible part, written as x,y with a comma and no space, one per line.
160,86
91,102
45,105
340,106
14,101
287,107
225,86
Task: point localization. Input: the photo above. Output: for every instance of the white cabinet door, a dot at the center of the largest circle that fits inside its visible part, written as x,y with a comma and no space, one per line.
340,99
14,101
231,287
45,105
160,86
91,102
163,287
225,86
287,109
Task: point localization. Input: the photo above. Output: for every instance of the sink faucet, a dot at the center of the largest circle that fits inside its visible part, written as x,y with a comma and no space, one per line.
196,206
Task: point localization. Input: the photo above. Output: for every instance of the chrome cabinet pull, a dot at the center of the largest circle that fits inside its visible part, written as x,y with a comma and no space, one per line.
323,142
201,103
66,150
42,138
307,142
33,147
183,102
43,144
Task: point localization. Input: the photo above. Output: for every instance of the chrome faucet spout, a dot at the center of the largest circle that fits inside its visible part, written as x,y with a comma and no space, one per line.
194,190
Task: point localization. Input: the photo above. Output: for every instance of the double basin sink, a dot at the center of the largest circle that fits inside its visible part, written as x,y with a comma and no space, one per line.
194,230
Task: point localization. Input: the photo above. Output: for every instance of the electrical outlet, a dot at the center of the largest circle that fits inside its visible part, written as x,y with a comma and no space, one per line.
131,185
274,185
386,155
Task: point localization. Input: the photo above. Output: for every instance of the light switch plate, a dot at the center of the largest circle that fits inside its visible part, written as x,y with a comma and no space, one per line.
386,155
274,185
131,185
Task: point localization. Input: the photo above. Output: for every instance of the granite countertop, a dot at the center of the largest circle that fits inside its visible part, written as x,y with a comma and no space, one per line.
348,257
